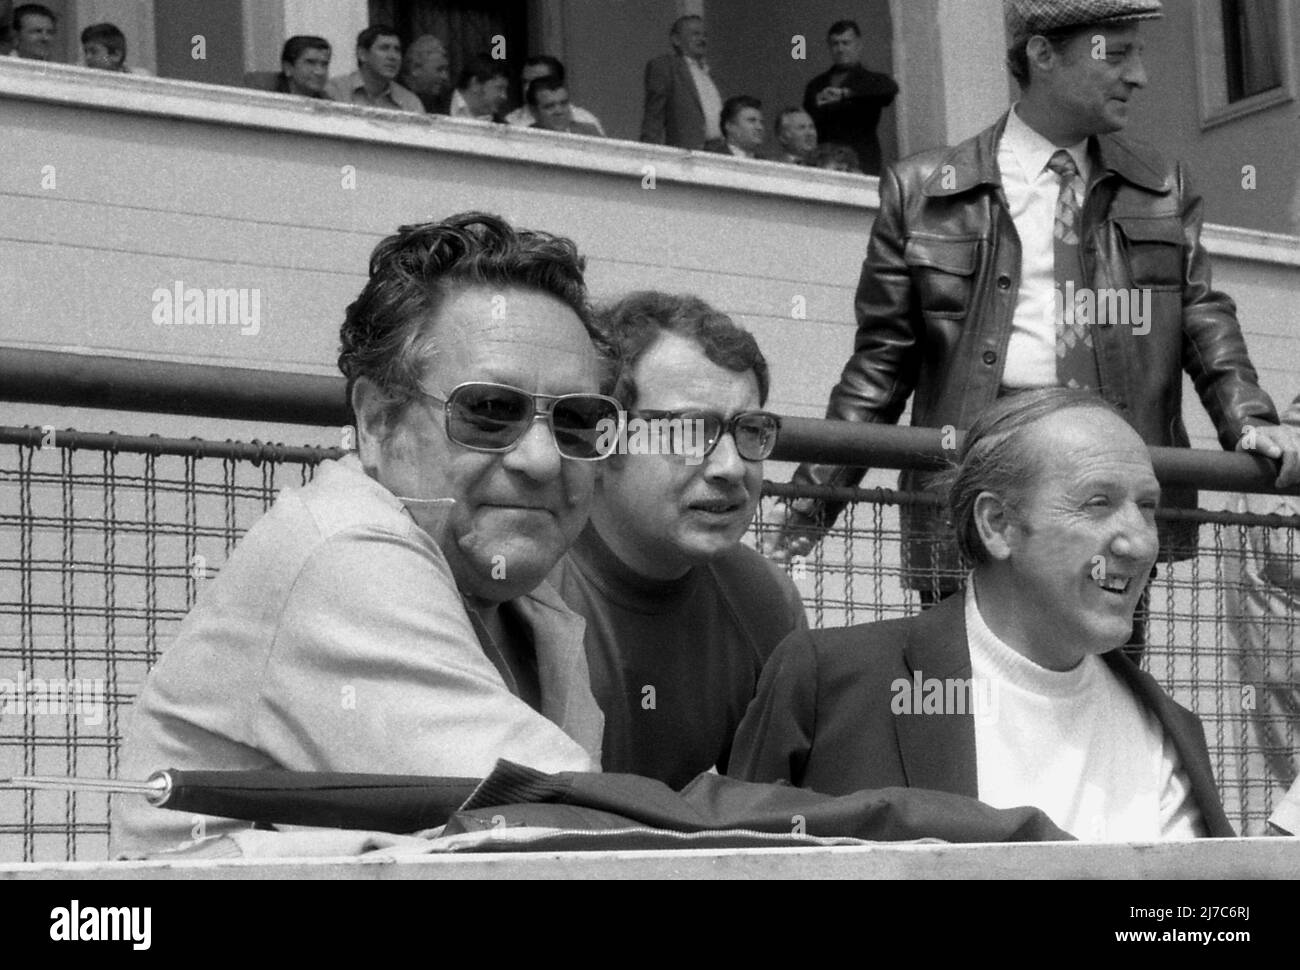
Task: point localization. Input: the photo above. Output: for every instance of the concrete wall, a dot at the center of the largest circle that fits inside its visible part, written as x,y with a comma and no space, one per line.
1167,114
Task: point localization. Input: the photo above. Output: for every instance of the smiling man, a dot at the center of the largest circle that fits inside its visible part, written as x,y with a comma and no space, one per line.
392,615
680,616
1016,693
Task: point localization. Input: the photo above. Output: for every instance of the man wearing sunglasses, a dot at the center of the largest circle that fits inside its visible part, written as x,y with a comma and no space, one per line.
680,616
392,616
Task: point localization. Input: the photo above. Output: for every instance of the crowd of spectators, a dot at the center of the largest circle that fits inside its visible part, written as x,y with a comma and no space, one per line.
835,128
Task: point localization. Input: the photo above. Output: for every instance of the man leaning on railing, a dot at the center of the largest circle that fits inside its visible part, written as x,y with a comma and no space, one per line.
1046,250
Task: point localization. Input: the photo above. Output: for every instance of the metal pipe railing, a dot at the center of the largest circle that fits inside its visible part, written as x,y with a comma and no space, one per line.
130,384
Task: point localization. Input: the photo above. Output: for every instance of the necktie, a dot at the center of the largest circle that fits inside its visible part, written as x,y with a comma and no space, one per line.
1076,361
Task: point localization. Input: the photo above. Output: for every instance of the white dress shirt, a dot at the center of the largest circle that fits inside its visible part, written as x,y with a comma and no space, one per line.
1076,744
1032,190
710,99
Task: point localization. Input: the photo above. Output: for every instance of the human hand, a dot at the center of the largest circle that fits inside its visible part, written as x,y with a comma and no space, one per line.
790,534
1281,442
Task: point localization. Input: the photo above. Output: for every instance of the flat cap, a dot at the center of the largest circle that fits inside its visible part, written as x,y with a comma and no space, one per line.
1029,17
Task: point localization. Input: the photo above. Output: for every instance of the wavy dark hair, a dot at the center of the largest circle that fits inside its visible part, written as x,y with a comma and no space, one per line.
389,328
633,325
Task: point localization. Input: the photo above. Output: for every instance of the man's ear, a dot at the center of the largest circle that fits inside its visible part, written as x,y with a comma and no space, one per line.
374,410
994,523
1040,52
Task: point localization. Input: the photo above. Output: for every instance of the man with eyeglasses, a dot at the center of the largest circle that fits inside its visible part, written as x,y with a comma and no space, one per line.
680,616
392,616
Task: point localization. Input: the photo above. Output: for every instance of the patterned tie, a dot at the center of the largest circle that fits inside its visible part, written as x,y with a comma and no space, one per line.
1076,361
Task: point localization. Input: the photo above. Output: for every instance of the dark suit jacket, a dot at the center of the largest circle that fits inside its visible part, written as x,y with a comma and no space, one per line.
852,121
822,718
673,115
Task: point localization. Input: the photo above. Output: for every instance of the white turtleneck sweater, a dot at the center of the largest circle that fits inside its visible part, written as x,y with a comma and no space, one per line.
1076,744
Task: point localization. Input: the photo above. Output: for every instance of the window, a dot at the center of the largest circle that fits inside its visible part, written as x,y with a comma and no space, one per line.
1251,38
1243,59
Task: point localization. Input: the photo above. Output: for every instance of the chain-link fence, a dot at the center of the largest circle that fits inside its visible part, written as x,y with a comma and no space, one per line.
106,540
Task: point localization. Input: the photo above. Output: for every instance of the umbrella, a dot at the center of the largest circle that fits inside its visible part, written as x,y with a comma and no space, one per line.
381,803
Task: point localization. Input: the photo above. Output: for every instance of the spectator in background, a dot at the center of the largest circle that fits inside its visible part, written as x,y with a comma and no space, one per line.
304,67
674,602
373,83
427,73
796,136
482,90
539,66
836,158
682,103
845,102
1263,605
741,120
103,46
549,100
33,32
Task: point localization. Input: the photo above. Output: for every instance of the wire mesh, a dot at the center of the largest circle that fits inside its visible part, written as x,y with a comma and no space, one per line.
105,542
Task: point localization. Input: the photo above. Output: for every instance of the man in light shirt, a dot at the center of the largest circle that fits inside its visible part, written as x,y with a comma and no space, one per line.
1046,250
374,82
682,103
1018,692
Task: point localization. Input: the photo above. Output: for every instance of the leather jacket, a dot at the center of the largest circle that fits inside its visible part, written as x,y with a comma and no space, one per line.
938,291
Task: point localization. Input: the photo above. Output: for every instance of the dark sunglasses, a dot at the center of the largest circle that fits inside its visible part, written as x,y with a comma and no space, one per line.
754,432
483,416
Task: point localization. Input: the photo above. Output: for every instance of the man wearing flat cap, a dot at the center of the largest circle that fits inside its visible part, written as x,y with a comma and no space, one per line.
1046,250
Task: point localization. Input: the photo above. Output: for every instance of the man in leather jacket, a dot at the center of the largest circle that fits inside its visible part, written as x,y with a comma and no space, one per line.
957,300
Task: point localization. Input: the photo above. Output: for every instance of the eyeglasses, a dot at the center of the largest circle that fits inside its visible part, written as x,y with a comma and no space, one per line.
483,416
755,432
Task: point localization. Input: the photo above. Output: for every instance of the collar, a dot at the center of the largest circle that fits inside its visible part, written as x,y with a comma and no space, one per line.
1032,151
702,64
1015,668
739,152
357,81
623,585
975,162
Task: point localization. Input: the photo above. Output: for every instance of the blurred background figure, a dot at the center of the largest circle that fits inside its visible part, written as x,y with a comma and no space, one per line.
682,102
846,101
742,126
549,100
304,67
796,137
427,74
374,82
482,90
103,46
540,66
836,158
34,27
